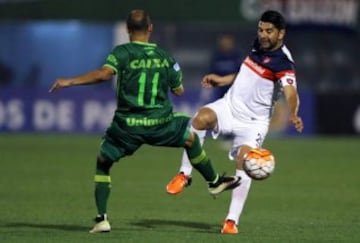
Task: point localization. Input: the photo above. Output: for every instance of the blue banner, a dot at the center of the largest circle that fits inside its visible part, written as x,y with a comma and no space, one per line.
79,109
69,110
90,109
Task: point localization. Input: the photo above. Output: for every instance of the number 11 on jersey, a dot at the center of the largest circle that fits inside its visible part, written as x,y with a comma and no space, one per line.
142,85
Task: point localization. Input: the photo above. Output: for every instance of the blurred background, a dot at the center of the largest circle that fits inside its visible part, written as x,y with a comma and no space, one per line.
43,40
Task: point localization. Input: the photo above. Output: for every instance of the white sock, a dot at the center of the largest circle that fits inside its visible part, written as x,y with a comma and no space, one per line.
186,166
238,197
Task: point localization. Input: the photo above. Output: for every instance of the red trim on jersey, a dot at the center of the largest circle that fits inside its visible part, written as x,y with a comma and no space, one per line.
259,70
284,73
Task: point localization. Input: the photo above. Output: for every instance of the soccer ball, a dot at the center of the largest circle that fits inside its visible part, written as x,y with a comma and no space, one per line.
259,163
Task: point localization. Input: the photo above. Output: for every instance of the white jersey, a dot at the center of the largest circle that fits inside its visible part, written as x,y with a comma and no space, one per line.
259,82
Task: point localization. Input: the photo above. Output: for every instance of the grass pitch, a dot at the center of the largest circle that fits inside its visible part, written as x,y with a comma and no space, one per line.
46,193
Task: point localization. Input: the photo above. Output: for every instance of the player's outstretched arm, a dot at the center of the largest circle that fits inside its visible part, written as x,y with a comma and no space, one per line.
214,80
92,77
293,101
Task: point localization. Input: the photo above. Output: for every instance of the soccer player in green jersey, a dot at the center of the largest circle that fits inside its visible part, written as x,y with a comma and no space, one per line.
144,114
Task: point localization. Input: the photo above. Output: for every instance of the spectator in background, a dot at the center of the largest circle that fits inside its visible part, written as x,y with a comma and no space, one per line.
226,59
6,74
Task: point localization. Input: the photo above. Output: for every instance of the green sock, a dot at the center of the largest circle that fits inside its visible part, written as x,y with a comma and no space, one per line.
102,186
200,161
102,193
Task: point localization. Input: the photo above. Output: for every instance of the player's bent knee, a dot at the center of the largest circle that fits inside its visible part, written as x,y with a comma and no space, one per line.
205,119
103,164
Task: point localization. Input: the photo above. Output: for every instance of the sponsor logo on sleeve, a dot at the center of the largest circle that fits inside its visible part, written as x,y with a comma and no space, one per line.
290,81
176,67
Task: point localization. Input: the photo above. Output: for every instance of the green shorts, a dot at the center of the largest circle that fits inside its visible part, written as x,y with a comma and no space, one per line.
121,140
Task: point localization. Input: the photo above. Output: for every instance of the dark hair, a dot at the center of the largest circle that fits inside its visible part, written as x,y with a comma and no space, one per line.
138,20
275,18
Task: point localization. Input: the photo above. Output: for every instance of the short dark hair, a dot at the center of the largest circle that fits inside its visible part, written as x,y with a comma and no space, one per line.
275,18
138,20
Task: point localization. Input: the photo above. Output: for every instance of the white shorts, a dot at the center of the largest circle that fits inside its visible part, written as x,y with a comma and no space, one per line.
245,132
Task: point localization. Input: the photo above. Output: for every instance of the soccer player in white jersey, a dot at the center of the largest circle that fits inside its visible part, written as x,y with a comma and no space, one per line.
245,110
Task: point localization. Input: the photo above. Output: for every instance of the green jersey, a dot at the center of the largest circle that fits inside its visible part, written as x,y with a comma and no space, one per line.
145,73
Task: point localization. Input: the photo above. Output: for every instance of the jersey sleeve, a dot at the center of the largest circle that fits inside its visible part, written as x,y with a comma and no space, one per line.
175,75
116,59
287,76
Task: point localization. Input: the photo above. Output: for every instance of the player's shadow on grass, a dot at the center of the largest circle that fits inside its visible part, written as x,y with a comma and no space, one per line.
160,223
145,224
67,227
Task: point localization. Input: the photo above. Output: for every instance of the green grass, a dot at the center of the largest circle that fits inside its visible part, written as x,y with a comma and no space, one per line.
46,194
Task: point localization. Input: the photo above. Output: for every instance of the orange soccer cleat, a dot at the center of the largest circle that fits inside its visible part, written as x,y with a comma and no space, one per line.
229,227
177,184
